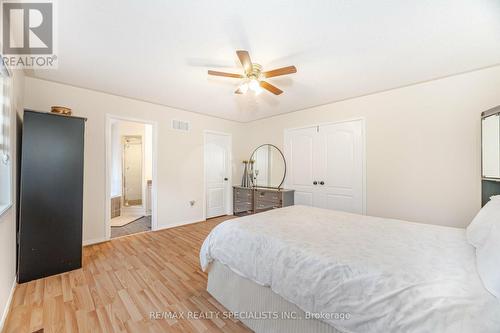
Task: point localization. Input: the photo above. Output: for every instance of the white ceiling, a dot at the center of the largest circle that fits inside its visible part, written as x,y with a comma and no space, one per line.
160,51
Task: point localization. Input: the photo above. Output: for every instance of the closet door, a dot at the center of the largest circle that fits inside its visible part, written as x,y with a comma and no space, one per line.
340,166
301,150
325,166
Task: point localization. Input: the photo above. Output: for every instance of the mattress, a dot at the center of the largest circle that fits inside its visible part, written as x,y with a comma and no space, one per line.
258,307
387,275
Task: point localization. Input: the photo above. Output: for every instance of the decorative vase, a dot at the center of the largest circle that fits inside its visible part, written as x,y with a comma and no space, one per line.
251,173
244,179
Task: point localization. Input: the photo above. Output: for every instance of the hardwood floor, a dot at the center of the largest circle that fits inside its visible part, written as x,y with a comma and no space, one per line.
122,281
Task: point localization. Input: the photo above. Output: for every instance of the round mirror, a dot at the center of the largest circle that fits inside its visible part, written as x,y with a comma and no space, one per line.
268,168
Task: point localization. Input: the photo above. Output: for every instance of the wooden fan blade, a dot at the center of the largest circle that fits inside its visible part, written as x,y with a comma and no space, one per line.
271,88
245,60
238,76
280,71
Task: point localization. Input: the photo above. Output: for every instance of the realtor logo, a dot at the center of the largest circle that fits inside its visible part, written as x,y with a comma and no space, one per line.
28,34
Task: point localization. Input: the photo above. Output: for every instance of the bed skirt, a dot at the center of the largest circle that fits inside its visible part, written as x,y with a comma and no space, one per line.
259,308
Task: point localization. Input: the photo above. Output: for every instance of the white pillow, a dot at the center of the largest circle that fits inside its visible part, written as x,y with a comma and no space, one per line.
495,197
488,261
480,228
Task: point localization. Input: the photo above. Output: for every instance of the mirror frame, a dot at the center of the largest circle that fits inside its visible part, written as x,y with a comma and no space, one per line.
284,162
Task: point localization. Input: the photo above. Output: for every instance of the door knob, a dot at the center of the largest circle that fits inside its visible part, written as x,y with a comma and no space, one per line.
225,179
315,183
322,183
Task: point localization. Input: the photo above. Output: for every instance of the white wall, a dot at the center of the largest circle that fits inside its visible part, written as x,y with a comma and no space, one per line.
8,219
422,145
180,154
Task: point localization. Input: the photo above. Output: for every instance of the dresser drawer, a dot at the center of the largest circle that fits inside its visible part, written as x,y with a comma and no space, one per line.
271,196
243,194
242,206
256,200
243,201
243,198
261,205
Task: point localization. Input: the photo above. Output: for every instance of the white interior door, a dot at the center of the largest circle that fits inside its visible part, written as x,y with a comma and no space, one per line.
301,153
217,173
340,173
325,166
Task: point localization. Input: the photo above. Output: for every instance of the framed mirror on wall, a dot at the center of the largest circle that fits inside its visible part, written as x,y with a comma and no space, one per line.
268,168
490,154
261,187
490,140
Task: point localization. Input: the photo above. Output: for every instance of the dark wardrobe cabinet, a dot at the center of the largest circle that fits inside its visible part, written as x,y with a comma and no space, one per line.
51,195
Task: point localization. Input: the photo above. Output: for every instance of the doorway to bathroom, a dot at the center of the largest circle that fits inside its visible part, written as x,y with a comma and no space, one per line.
130,169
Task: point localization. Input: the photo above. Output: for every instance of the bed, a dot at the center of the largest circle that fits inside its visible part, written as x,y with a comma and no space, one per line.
346,273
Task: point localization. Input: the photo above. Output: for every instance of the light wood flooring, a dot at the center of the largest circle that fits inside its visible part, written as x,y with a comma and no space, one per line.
121,282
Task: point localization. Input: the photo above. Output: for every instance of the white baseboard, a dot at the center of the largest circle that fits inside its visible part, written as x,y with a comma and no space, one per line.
94,241
103,239
7,305
200,219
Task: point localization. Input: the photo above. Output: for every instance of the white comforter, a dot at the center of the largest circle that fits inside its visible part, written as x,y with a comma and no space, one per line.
389,275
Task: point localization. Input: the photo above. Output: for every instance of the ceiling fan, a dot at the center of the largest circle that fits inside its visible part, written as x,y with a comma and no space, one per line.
252,79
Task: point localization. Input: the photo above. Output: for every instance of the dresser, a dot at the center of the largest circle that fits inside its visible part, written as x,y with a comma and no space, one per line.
251,200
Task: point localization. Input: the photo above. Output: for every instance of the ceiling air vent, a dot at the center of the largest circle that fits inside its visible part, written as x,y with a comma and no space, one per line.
180,125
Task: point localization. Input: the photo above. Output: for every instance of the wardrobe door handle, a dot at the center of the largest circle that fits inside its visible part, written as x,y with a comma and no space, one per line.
315,183
322,183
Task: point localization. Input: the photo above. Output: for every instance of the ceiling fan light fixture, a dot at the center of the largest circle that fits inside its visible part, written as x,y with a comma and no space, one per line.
254,85
243,87
257,91
253,75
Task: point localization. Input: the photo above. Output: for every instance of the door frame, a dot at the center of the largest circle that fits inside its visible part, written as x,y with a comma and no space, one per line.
229,199
363,149
154,188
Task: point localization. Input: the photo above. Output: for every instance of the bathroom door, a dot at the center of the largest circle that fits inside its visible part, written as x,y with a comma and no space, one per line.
132,170
217,173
